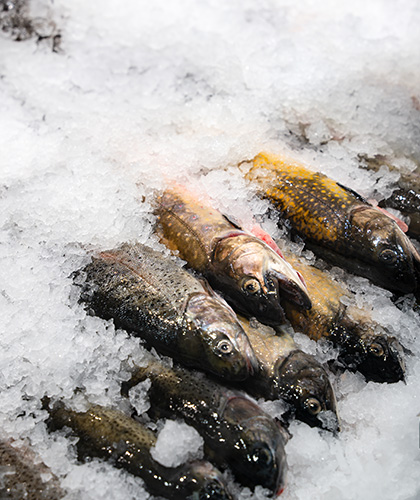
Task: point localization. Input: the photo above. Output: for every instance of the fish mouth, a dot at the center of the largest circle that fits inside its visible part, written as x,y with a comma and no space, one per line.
289,289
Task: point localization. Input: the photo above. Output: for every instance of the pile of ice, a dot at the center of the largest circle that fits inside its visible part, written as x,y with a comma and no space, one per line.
141,92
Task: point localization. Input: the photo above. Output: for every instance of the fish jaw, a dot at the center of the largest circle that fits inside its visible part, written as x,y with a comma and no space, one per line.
204,482
305,385
255,278
227,351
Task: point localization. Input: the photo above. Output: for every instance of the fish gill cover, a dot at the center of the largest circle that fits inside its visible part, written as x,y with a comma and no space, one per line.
141,92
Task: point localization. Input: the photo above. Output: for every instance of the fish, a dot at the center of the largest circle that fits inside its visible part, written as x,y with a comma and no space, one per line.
251,276
236,432
363,345
286,372
337,223
110,434
24,475
153,298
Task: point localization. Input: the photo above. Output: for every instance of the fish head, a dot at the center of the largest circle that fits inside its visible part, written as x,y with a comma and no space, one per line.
387,256
258,457
255,278
225,348
305,385
200,480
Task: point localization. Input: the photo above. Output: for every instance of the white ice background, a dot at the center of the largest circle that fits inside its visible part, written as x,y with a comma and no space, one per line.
143,91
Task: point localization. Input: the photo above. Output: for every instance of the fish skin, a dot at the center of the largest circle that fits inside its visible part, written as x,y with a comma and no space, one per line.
363,344
153,298
337,223
236,432
252,277
290,374
110,434
24,476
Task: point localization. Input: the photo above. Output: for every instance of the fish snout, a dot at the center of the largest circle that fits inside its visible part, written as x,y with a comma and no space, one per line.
291,290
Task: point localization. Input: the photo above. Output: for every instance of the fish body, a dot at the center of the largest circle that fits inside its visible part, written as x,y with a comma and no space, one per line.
252,277
363,345
24,476
288,373
110,434
177,314
337,223
236,432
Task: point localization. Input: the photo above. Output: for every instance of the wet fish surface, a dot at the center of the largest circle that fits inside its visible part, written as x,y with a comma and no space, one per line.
337,223
252,277
110,434
24,476
288,373
363,345
236,432
153,298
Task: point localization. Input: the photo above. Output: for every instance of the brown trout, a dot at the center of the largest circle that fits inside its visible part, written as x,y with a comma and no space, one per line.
177,314
236,432
24,476
252,277
337,223
110,434
364,345
288,373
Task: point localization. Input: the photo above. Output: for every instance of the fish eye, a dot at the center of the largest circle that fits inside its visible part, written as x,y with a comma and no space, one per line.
261,456
312,405
388,256
376,349
224,346
251,285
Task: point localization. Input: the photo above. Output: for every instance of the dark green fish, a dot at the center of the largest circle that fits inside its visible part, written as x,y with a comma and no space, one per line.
288,373
177,314
236,432
337,223
110,434
24,477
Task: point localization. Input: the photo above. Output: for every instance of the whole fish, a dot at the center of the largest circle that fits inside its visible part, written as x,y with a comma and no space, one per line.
337,223
177,314
364,345
236,432
110,434
288,373
252,277
24,476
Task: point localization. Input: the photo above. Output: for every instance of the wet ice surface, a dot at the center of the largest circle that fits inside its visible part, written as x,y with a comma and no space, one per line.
143,91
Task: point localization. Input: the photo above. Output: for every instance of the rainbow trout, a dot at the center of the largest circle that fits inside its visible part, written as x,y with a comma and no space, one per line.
252,277
236,432
24,476
290,374
364,346
177,314
337,223
110,434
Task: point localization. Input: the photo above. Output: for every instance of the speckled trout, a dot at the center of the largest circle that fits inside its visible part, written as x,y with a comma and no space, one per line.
174,312
236,432
252,277
110,434
288,373
337,223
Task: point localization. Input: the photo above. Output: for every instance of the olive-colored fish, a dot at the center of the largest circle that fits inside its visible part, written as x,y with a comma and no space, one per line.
337,223
288,373
236,432
110,434
177,314
24,476
363,344
251,275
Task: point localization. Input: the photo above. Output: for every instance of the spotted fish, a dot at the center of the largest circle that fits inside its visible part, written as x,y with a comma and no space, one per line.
337,223
153,298
110,434
236,432
252,277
